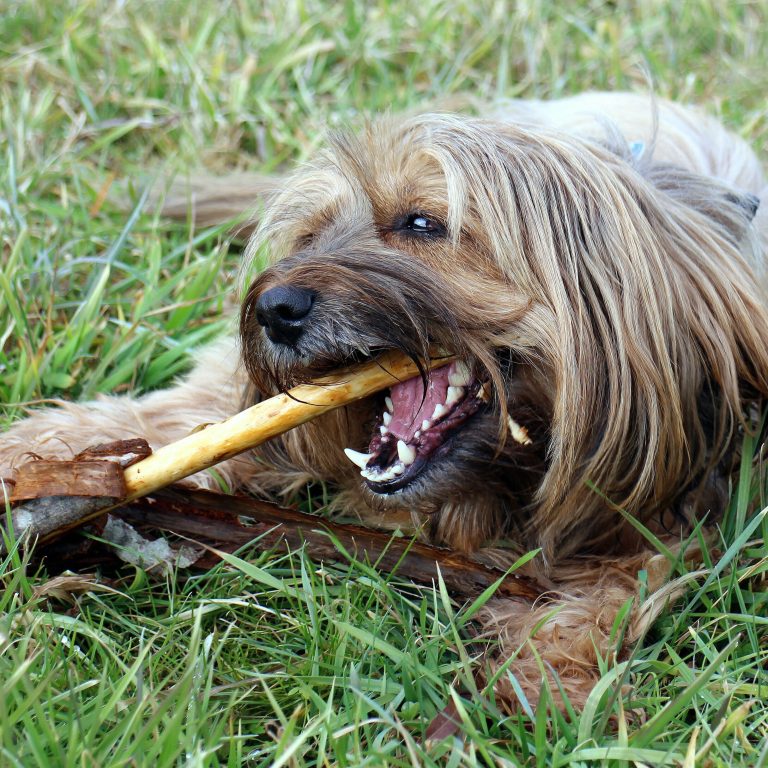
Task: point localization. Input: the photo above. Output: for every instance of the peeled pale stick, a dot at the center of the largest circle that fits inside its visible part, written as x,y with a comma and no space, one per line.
266,420
64,509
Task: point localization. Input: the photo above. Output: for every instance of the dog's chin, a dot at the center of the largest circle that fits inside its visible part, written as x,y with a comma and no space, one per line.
431,479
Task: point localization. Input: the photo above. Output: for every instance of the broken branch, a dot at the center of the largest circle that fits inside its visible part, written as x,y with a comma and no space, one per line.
202,517
262,422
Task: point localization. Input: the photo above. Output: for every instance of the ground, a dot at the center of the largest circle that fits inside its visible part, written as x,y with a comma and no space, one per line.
276,660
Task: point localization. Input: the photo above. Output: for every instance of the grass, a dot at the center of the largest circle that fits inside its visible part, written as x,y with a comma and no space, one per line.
275,660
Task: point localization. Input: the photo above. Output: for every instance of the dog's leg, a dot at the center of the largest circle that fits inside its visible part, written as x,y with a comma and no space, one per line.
560,640
212,391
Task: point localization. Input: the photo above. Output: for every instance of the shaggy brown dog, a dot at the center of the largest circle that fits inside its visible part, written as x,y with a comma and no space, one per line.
598,277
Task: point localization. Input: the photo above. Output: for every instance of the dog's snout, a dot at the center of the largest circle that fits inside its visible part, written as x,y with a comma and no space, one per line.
283,312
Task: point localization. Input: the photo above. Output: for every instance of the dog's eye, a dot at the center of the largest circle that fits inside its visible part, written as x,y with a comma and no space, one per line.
420,223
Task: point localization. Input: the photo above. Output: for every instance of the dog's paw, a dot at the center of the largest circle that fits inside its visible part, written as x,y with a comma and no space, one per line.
58,433
65,431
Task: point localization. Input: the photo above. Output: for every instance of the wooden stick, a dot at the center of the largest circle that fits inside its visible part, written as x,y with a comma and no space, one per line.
266,420
201,516
217,442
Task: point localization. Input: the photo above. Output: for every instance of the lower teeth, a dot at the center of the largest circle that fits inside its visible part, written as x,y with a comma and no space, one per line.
382,475
406,453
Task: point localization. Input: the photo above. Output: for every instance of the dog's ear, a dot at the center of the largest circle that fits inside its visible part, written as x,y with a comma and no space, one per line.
748,202
733,210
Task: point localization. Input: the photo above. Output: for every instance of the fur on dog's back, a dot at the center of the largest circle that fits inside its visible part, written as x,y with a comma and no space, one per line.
673,133
676,134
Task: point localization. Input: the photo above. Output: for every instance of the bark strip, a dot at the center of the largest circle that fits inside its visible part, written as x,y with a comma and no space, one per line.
229,522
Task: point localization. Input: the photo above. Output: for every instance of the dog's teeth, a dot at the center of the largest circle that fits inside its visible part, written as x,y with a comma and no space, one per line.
406,453
383,430
381,476
460,375
387,418
519,434
454,395
417,433
425,425
358,459
390,405
484,393
440,411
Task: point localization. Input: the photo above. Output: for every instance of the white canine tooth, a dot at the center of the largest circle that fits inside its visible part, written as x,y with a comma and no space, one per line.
357,458
519,434
454,395
425,425
417,433
383,430
440,411
405,452
390,405
387,418
460,375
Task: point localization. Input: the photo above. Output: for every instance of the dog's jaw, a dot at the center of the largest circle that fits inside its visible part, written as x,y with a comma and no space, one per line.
417,422
471,485
472,480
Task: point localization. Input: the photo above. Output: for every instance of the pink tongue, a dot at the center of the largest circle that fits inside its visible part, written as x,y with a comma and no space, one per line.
409,410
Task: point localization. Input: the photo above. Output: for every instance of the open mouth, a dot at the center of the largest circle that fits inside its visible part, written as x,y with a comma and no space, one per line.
415,425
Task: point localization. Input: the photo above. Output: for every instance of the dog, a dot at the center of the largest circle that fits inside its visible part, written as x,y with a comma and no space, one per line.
595,264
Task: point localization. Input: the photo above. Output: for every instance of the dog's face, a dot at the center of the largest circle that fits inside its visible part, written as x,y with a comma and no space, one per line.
575,291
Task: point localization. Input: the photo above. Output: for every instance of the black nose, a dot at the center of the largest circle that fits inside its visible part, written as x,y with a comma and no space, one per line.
283,311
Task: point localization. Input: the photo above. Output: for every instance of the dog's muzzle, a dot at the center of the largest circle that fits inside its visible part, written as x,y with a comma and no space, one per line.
283,312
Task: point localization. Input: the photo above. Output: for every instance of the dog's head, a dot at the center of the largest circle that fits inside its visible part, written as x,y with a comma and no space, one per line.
606,319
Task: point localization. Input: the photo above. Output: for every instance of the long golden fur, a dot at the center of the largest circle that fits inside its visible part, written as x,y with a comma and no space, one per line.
597,264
